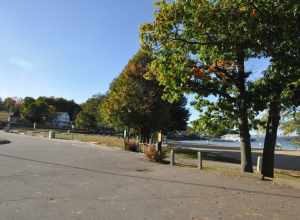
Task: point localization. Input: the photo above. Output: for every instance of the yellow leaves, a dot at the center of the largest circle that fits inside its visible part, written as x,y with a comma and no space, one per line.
243,8
220,63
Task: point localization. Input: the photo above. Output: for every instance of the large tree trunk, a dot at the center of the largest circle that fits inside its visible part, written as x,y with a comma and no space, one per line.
246,157
270,139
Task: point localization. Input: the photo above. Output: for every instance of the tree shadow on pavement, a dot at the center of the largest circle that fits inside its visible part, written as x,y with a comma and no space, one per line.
168,181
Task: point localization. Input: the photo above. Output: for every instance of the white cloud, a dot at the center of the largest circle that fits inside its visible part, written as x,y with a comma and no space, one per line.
21,63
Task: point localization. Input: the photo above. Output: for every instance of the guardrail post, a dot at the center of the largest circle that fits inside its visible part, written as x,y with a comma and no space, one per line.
200,165
172,157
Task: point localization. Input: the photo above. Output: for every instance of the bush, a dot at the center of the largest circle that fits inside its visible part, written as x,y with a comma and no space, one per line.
153,154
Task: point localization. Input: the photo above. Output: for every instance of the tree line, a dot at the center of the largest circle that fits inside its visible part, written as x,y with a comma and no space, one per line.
41,109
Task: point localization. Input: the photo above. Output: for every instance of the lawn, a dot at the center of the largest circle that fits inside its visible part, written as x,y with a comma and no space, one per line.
3,116
64,135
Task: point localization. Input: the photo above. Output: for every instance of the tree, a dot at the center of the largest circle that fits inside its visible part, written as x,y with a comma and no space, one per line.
134,102
35,110
279,34
213,120
62,105
89,118
85,121
2,108
201,47
292,124
194,40
10,104
273,92
92,105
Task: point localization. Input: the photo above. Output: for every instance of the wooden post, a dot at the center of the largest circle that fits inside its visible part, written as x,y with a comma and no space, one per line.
259,164
172,157
159,142
125,138
200,165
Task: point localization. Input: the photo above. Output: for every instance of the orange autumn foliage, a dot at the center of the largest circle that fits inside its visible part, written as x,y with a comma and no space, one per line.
253,13
222,75
199,72
211,68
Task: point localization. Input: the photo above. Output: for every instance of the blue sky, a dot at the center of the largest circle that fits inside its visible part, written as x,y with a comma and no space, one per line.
70,48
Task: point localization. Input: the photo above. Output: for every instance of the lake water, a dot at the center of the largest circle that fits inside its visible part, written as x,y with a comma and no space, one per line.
257,142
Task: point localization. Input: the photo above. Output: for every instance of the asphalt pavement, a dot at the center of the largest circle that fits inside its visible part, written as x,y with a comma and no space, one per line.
46,180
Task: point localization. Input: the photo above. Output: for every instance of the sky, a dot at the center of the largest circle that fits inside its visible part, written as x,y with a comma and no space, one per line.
70,48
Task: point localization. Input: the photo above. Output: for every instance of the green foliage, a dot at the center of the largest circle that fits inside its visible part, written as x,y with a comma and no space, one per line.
191,35
35,110
89,118
135,102
200,46
292,123
2,108
85,121
92,105
214,120
43,108
10,105
62,105
279,84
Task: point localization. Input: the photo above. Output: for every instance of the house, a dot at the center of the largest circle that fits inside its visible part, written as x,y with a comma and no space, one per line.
61,120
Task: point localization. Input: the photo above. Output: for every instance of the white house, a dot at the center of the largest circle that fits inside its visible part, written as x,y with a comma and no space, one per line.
62,120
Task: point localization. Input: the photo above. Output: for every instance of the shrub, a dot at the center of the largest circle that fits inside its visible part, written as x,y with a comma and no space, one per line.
152,153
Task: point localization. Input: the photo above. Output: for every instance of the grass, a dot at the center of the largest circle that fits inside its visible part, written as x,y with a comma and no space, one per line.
3,116
97,139
222,165
63,135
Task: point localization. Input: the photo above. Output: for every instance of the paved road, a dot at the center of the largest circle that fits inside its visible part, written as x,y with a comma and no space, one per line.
41,179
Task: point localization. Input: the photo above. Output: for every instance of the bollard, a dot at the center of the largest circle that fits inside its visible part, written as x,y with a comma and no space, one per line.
51,135
172,158
200,165
259,164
